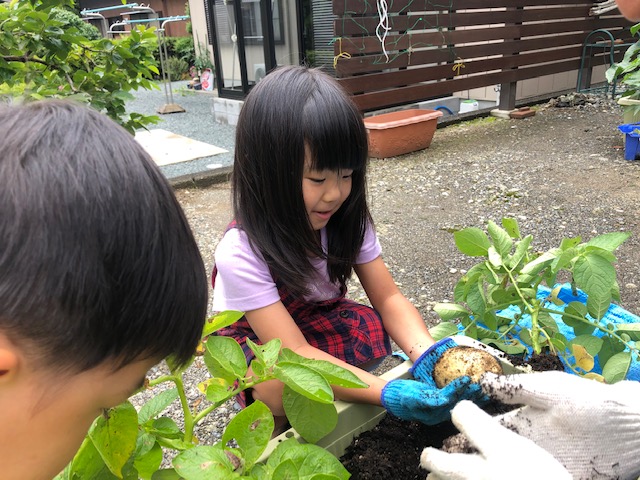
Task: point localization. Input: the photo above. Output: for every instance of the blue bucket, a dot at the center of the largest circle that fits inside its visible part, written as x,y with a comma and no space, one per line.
631,140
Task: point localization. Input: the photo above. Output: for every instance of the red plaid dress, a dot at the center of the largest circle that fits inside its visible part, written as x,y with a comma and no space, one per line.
343,328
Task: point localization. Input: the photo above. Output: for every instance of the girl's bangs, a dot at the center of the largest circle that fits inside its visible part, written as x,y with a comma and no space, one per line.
335,136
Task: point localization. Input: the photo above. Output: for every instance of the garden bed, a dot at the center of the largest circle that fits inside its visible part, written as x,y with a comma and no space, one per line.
392,448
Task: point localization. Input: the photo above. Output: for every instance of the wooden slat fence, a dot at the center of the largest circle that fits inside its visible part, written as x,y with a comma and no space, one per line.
433,48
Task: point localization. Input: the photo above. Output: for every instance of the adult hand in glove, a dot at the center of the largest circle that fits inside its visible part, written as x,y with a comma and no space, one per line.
413,400
590,427
503,454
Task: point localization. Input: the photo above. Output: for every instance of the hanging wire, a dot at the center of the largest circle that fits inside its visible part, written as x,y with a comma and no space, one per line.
383,25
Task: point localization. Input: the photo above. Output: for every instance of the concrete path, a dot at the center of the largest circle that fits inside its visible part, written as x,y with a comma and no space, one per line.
197,124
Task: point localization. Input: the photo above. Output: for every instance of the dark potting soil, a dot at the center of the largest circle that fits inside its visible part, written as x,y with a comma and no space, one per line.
392,449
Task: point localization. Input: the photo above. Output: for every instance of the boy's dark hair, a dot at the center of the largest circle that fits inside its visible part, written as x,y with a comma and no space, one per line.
97,261
290,108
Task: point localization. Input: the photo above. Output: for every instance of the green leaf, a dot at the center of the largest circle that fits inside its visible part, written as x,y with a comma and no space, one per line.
501,239
149,462
88,463
251,430
540,263
443,330
220,320
204,462
224,358
511,349
596,277
267,353
334,374
309,459
511,226
305,381
217,390
610,346
157,404
490,320
165,427
617,367
609,241
631,329
472,241
547,322
569,243
476,300
115,436
286,471
312,420
564,259
520,252
580,327
166,474
450,311
505,297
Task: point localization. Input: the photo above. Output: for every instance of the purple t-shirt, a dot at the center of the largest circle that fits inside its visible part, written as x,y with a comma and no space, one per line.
244,282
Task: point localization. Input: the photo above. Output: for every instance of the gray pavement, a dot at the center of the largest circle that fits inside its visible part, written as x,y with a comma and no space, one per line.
196,122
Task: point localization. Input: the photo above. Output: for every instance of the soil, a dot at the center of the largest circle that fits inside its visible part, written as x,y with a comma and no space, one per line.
392,449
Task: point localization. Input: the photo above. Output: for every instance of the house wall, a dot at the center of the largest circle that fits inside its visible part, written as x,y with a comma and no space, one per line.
498,41
465,47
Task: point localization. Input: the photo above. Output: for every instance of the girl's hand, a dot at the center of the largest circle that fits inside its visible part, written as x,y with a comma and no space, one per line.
416,401
422,369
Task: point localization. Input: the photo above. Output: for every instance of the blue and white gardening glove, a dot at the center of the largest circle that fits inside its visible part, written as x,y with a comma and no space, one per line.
422,368
416,401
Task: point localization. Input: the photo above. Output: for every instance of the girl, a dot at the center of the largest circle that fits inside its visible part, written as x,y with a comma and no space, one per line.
301,227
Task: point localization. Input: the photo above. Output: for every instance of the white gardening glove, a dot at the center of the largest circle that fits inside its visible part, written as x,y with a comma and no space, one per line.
503,454
593,429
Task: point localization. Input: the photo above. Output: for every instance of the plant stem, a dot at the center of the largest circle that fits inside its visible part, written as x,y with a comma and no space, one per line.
594,324
188,415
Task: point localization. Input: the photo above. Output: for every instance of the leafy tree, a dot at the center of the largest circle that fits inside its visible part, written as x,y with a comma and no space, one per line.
45,53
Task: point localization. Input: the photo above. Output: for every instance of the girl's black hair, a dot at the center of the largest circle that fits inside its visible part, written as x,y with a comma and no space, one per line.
294,107
97,260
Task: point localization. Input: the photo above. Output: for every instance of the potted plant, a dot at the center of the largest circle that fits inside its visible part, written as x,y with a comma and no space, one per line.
512,300
627,72
125,443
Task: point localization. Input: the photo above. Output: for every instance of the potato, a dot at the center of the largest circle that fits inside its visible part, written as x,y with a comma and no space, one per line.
459,361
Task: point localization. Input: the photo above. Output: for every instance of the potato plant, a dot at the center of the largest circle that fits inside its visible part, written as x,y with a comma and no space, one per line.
129,444
497,294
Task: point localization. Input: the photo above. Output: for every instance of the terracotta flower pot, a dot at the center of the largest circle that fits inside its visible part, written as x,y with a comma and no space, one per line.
397,133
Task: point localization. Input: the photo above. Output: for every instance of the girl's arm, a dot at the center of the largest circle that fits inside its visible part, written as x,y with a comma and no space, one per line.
274,321
401,319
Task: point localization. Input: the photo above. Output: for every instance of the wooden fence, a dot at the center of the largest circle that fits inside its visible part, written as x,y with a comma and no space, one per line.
394,52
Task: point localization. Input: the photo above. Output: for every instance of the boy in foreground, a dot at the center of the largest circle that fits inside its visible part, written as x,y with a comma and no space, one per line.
100,279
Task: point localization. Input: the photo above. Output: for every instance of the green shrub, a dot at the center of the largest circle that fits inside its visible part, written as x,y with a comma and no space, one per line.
70,19
176,68
183,48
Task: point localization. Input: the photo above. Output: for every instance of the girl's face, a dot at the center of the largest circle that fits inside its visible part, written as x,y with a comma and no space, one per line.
324,192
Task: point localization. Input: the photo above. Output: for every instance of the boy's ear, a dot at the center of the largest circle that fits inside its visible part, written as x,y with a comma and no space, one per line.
8,356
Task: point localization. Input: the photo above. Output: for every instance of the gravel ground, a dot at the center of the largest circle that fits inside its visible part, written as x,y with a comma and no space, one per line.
196,123
561,173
